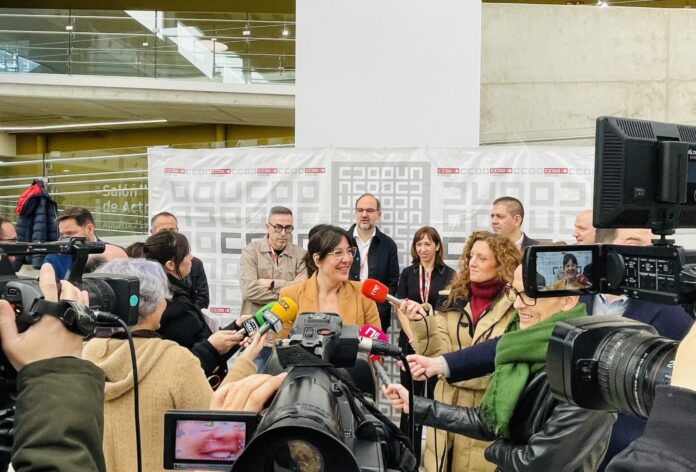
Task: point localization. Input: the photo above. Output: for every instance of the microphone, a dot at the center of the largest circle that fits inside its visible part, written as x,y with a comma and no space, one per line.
254,322
377,291
373,341
273,318
583,280
371,331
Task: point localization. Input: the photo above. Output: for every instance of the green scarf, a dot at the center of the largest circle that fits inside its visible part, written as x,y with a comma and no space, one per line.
519,355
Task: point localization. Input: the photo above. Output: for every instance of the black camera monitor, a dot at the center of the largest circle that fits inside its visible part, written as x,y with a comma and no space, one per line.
206,440
645,175
552,271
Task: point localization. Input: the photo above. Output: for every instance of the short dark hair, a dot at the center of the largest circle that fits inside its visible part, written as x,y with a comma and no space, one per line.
569,257
167,246
279,210
322,242
379,204
136,250
605,235
162,213
513,205
82,216
434,236
307,258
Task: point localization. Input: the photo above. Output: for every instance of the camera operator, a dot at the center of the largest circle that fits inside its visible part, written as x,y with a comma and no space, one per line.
60,397
532,430
669,441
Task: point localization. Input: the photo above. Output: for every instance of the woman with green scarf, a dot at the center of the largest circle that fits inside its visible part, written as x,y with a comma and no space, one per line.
533,431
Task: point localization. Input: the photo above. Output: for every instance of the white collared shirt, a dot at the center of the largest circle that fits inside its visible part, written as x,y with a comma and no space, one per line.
602,306
363,247
519,241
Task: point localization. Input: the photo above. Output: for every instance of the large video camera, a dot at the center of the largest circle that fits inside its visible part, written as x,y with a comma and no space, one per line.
110,294
318,420
645,177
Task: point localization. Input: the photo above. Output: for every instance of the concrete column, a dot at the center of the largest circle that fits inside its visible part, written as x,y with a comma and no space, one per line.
387,73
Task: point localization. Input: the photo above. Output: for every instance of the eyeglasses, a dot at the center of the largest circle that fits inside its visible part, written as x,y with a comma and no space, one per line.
279,228
511,293
340,253
369,211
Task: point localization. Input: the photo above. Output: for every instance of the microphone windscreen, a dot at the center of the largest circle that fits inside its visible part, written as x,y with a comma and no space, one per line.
285,309
583,280
373,332
374,290
259,313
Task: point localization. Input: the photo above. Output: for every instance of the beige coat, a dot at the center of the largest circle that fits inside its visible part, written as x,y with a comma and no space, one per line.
257,263
446,331
170,377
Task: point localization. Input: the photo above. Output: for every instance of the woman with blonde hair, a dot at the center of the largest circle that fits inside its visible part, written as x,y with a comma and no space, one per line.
472,310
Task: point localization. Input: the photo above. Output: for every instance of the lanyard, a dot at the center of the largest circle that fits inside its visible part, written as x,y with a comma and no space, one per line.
424,288
274,256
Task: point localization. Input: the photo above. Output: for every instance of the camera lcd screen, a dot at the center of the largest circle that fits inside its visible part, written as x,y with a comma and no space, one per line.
206,440
221,441
567,270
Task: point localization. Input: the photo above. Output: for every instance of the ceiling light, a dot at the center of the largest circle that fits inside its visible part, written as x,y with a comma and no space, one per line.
602,3
77,125
145,44
69,28
246,32
285,32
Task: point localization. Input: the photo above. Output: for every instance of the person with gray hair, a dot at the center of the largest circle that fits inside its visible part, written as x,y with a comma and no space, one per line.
269,264
169,375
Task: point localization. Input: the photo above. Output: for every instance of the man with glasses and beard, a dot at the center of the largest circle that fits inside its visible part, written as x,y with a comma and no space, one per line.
269,264
376,257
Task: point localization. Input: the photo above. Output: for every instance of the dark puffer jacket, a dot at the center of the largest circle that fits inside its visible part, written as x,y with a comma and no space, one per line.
545,433
36,218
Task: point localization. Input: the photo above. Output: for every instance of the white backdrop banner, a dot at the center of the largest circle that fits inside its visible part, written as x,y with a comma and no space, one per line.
222,196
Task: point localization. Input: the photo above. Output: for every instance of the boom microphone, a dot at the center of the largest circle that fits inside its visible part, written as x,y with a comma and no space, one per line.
377,291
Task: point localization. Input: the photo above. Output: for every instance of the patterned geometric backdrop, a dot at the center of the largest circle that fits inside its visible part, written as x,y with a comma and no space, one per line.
222,197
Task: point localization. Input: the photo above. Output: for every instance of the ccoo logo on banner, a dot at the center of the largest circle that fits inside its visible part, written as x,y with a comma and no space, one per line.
222,196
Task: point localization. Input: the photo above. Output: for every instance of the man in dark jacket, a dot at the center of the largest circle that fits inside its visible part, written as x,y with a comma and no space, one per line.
507,216
377,256
197,279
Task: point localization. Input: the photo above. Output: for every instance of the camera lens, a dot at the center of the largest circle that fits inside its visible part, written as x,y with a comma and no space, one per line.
630,364
296,455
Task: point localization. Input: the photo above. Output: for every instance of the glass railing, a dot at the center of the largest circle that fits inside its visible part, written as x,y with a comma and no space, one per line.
111,183
220,47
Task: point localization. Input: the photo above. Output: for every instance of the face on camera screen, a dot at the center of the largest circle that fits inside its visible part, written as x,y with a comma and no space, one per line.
210,440
563,270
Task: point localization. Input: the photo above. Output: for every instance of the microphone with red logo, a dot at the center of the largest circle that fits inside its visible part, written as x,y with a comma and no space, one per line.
583,280
371,331
377,291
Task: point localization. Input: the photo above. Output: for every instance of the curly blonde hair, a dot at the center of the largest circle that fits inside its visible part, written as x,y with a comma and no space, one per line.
507,258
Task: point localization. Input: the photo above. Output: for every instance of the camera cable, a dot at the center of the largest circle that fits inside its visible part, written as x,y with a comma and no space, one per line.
106,319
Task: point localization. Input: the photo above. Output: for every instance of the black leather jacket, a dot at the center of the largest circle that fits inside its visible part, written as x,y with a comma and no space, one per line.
545,433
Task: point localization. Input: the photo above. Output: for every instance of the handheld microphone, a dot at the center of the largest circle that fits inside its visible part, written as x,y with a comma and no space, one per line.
254,322
374,341
377,291
280,311
371,331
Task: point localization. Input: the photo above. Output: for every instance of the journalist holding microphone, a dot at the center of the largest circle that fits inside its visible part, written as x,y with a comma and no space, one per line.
473,310
532,430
